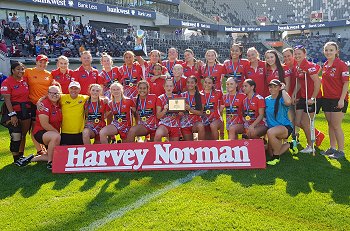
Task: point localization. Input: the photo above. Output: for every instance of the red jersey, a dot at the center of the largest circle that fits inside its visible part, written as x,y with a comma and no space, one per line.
212,102
95,112
188,119
129,77
149,69
189,71
170,65
63,79
333,78
234,108
217,71
146,110
251,109
108,77
170,119
310,69
237,69
122,113
54,113
273,74
179,85
156,87
18,91
293,77
258,75
86,78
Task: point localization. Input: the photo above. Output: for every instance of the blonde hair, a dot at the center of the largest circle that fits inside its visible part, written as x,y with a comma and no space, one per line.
117,84
255,50
105,55
62,57
86,53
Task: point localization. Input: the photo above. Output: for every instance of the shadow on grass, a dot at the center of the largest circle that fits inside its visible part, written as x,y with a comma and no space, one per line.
302,173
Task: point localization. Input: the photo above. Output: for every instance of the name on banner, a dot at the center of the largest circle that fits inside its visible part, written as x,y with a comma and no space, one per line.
160,156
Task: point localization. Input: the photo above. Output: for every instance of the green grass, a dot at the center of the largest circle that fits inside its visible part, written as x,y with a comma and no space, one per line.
301,193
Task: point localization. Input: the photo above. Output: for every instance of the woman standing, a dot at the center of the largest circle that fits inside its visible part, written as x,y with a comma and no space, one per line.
179,79
154,57
256,70
192,67
16,115
211,117
122,109
191,121
48,125
253,111
213,68
278,123
173,56
335,81
233,102
95,110
146,120
63,75
109,74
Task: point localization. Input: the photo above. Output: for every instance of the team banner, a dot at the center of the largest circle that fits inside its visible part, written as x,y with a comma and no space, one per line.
185,155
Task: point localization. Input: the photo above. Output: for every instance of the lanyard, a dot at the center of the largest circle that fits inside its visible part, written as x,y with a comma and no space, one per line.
190,102
212,70
130,73
234,69
232,102
178,90
208,100
170,68
107,75
95,111
144,106
250,102
119,109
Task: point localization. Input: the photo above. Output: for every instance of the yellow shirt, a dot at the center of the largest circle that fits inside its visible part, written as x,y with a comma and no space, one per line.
38,83
73,117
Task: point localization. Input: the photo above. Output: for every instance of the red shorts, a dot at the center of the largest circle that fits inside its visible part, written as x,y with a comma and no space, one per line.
186,131
173,132
150,131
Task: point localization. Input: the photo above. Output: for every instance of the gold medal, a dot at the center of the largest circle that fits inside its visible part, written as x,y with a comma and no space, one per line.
232,115
131,84
247,118
97,121
207,112
120,120
143,118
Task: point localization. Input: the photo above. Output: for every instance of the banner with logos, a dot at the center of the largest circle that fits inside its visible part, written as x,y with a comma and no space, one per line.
193,24
96,7
184,155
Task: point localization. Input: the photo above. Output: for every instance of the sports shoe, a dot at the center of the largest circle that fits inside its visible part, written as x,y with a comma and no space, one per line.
337,155
319,138
23,161
49,165
328,152
307,149
273,162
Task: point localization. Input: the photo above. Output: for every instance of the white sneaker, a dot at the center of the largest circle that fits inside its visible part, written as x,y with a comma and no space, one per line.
307,149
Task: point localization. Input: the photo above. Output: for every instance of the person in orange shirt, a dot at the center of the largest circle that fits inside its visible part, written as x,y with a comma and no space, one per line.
39,80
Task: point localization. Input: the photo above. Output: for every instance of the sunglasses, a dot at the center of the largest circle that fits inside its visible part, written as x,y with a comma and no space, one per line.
299,47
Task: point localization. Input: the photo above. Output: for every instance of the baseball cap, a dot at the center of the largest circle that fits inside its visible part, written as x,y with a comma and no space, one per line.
275,82
74,84
42,57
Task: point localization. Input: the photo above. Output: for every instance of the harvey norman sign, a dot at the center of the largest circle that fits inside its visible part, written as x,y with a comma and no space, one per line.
185,155
97,7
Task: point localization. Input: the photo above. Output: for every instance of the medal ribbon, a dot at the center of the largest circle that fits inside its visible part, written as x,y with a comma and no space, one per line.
190,102
130,73
95,111
107,75
234,69
119,109
208,100
210,72
246,103
144,107
232,102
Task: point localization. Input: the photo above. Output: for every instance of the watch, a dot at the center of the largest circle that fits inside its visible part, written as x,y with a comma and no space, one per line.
12,114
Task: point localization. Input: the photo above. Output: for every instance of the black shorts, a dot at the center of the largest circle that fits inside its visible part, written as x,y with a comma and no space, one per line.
290,130
71,139
39,136
301,105
33,111
331,105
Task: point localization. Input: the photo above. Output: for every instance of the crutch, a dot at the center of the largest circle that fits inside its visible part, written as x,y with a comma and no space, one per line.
294,136
311,119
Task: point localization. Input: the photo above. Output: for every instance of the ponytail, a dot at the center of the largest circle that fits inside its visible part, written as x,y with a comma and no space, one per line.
198,99
277,103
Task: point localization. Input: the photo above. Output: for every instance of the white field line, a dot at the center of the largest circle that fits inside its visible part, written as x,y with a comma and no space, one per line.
142,201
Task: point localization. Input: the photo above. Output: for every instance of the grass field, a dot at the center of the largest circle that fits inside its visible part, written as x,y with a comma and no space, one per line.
301,193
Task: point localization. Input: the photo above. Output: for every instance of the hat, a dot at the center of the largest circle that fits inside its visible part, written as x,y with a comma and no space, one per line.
275,82
74,84
42,57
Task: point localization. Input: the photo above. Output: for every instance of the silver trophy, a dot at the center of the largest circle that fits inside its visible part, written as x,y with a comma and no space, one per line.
140,43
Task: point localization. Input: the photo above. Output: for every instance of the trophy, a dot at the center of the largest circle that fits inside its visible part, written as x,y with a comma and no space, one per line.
140,48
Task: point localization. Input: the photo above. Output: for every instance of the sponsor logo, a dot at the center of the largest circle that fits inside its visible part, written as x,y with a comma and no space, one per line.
4,88
52,2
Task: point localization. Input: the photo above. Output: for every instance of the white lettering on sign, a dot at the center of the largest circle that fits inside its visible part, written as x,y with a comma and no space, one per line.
117,10
52,2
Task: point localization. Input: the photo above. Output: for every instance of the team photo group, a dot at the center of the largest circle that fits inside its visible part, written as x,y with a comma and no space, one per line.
174,100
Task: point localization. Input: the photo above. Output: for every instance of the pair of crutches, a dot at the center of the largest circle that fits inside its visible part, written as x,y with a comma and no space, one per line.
311,118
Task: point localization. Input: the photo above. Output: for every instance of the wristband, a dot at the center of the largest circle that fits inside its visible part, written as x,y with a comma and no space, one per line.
12,114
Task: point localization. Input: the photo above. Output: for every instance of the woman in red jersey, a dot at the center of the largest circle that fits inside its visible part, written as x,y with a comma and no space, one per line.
48,125
256,70
275,70
236,66
109,73
179,80
335,81
253,111
213,68
192,67
233,102
309,97
154,57
169,122
16,111
63,75
156,83
95,110
130,74
191,121
173,56
211,117
122,109
146,120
